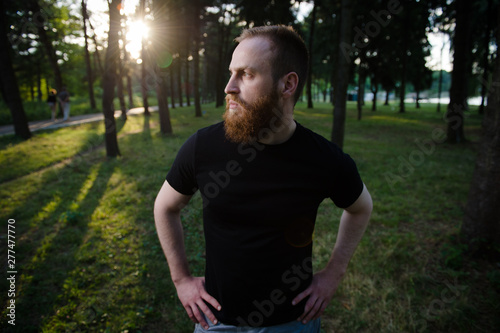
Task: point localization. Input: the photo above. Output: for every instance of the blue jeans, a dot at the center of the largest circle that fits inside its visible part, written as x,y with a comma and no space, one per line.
291,327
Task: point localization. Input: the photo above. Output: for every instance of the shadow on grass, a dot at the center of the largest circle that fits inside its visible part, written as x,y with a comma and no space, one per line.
48,249
18,160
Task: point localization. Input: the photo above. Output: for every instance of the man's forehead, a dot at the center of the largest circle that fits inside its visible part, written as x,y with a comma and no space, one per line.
251,53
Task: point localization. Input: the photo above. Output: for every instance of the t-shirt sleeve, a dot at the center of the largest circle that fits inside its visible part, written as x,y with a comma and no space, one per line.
347,183
181,175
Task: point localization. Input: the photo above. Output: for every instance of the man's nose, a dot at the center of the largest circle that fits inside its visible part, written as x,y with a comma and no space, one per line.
232,86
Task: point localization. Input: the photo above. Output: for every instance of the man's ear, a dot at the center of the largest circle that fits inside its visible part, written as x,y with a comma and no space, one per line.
290,83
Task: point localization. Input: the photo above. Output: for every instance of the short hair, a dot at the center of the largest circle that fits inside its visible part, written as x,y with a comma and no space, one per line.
290,52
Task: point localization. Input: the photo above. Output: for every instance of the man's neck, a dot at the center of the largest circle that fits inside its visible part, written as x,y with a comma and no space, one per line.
281,133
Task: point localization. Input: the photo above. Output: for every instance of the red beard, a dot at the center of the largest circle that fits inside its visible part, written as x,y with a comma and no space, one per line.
251,122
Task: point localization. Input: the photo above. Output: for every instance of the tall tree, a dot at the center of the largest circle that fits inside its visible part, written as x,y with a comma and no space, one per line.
481,220
489,10
144,63
120,72
340,103
39,19
196,57
311,43
96,56
109,79
10,90
460,74
163,59
178,71
90,80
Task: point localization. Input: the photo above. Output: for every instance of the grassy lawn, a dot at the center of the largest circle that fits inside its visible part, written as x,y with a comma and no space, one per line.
88,259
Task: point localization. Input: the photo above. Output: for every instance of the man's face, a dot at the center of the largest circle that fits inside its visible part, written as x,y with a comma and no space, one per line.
252,100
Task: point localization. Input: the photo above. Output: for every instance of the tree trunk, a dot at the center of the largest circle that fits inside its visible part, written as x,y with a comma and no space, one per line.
361,89
374,89
178,67
144,74
196,58
440,89
163,110
339,109
126,72
402,89
387,92
224,33
87,57
160,26
129,90
188,63
46,42
109,77
309,72
481,225
119,90
96,56
8,81
39,80
460,74
404,57
172,92
486,57
119,75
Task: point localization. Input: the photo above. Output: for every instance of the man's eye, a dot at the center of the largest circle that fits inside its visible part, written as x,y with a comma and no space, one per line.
246,74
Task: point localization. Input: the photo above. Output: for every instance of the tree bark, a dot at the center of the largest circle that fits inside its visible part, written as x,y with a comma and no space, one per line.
481,225
402,89
361,89
309,72
196,58
440,89
374,89
178,67
163,110
223,35
460,74
8,80
144,74
172,91
188,63
160,26
39,21
90,79
109,80
39,79
339,109
119,90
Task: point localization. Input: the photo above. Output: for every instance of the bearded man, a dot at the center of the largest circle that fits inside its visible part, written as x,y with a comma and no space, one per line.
262,177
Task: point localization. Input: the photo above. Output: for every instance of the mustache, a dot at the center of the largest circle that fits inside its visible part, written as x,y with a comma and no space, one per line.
234,98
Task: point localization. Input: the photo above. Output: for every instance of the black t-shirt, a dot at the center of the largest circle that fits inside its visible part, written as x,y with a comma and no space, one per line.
259,209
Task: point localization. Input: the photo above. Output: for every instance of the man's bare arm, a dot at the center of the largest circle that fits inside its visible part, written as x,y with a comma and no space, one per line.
352,226
191,290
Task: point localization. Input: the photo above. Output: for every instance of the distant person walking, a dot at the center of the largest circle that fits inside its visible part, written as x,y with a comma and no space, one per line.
64,100
52,102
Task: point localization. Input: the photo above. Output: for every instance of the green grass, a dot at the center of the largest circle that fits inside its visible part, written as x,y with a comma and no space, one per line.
39,110
88,258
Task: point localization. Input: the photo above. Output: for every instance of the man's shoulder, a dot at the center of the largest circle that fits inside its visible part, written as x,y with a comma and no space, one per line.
210,134
318,139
